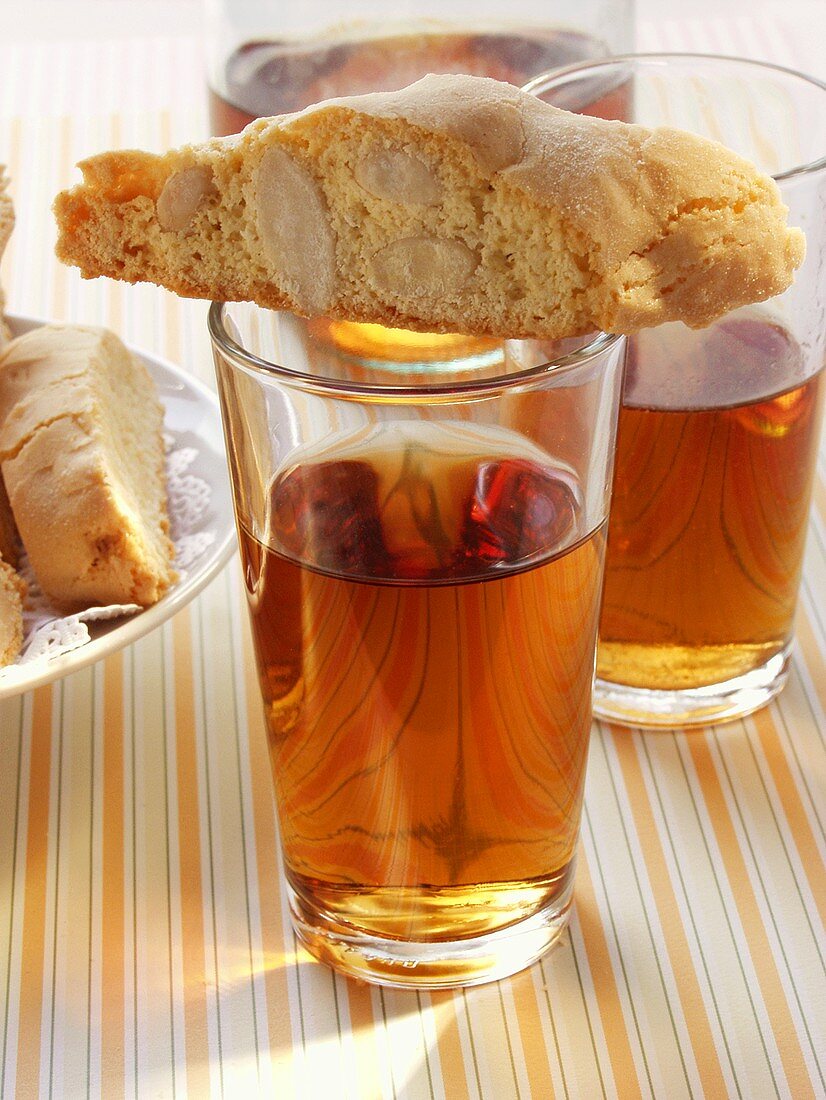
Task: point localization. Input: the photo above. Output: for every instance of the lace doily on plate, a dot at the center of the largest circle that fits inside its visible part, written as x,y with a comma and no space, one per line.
48,632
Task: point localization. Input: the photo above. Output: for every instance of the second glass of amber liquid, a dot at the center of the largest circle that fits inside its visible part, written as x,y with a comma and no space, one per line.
423,566
719,428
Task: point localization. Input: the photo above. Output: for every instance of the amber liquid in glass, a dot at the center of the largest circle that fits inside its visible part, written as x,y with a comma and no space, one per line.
710,505
424,622
272,77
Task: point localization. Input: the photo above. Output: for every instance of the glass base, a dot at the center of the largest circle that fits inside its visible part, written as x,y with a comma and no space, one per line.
441,964
702,706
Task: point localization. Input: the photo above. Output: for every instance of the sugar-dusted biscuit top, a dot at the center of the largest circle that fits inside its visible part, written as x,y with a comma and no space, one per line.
456,204
81,451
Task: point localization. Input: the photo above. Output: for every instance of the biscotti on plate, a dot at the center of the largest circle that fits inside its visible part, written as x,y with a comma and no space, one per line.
81,451
456,204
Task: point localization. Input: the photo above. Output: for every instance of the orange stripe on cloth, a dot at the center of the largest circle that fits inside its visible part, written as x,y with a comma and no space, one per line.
793,810
819,495
670,918
279,1024
760,950
365,1033
608,998
112,902
532,1036
449,1045
192,903
812,653
30,1011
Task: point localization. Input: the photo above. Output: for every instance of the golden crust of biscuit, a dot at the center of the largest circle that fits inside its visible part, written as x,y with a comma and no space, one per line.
459,204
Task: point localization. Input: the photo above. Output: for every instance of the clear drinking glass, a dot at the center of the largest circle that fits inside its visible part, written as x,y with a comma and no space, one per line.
719,428
267,57
423,565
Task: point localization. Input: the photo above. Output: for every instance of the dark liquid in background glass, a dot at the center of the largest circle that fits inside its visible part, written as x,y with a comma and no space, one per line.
266,78
269,78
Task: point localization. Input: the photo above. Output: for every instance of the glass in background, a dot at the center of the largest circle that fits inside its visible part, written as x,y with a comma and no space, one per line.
719,428
269,57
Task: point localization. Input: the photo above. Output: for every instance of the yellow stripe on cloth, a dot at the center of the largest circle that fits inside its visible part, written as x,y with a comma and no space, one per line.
192,902
30,1009
761,955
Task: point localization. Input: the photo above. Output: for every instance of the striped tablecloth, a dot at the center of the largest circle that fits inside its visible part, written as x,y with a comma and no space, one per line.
145,948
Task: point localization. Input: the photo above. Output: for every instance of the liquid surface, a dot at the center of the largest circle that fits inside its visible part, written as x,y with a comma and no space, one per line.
744,358
710,507
425,627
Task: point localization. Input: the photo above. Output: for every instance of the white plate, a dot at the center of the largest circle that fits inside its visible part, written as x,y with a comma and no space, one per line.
192,420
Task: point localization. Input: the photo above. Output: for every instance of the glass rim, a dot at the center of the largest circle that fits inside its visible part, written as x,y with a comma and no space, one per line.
549,78
598,344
